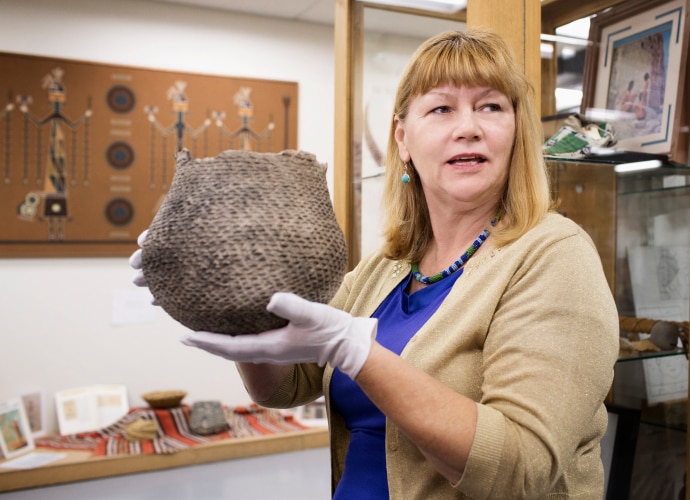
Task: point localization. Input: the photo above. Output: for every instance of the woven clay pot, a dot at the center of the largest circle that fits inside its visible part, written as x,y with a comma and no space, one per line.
236,228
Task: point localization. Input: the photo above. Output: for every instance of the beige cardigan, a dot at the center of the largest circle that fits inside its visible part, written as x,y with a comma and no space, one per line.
530,332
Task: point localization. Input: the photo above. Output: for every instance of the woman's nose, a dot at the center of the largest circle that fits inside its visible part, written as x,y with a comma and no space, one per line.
466,126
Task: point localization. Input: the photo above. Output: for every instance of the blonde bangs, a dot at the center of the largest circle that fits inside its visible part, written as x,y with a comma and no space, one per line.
450,60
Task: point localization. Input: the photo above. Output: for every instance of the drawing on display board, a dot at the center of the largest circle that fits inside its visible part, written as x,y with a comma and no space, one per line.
660,284
87,150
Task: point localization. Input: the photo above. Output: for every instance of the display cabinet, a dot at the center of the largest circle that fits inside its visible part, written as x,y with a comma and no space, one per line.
639,220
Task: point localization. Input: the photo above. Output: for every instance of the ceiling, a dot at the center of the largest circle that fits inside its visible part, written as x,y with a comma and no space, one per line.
316,11
322,12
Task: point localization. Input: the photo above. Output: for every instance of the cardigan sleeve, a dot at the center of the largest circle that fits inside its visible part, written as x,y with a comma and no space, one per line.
547,366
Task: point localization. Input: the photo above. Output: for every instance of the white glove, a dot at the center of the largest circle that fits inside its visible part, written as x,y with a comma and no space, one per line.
316,333
135,263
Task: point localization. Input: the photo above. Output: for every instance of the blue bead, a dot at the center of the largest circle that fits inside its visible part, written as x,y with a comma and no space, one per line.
405,178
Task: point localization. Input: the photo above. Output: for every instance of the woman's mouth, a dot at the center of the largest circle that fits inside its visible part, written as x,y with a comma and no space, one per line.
467,160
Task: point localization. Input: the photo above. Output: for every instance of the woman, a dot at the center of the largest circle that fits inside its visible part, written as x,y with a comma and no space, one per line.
627,98
481,377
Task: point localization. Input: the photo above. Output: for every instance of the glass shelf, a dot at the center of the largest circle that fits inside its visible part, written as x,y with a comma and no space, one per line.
626,356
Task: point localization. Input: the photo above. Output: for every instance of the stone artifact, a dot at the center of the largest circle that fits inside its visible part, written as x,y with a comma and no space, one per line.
663,335
207,417
236,228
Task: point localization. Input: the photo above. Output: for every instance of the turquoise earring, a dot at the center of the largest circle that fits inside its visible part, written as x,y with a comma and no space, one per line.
405,176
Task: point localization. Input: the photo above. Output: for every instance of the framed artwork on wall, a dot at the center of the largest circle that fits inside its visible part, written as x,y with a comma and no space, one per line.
635,71
87,149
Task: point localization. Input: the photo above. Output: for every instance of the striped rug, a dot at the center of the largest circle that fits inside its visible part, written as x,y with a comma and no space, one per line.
173,432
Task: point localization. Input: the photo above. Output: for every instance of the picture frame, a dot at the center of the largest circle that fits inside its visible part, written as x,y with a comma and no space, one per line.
90,408
34,406
635,67
313,414
15,432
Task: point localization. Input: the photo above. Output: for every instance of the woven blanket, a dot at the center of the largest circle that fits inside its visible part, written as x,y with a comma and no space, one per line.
173,431
577,137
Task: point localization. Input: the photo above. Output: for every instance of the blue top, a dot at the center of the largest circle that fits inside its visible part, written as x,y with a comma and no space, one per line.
400,316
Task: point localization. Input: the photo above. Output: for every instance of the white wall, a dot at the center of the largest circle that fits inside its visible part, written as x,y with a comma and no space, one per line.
55,321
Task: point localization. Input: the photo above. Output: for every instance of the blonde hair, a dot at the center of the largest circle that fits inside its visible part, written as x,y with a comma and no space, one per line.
475,58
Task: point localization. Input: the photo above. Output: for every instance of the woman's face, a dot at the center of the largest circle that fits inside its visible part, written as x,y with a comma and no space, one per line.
460,140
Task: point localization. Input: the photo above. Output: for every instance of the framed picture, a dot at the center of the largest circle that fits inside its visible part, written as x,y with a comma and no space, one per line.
313,414
15,433
86,409
634,73
35,412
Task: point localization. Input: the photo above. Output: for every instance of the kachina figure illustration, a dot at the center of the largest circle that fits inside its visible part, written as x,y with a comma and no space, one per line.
54,196
244,138
180,108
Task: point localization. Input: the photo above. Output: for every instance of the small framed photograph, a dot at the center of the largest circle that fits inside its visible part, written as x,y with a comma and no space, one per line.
15,432
86,409
34,406
634,73
313,414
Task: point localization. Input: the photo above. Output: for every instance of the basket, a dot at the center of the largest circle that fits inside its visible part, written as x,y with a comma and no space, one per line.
164,399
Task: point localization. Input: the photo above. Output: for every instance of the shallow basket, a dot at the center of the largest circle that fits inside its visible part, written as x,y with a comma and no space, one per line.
164,399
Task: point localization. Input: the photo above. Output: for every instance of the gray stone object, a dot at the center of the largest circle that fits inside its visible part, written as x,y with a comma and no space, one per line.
664,335
207,417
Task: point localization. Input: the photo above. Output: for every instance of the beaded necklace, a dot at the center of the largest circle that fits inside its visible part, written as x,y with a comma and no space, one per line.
427,280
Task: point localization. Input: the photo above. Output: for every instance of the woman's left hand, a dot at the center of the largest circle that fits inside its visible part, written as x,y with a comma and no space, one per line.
316,333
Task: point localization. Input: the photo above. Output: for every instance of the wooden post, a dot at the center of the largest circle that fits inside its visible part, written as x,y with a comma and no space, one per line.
348,17
519,23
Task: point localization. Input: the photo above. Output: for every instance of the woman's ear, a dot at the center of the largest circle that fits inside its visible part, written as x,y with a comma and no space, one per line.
400,140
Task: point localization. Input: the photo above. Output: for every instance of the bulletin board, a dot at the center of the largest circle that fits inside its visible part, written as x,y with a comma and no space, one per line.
87,149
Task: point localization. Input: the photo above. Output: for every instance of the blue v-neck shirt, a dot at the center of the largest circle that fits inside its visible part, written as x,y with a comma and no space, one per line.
400,316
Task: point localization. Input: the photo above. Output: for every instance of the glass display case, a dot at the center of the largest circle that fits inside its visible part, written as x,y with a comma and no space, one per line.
638,221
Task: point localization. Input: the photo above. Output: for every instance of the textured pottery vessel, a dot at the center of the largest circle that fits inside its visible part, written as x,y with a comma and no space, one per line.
236,228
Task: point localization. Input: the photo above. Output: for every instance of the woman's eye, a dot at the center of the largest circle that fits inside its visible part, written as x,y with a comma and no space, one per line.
490,107
441,109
